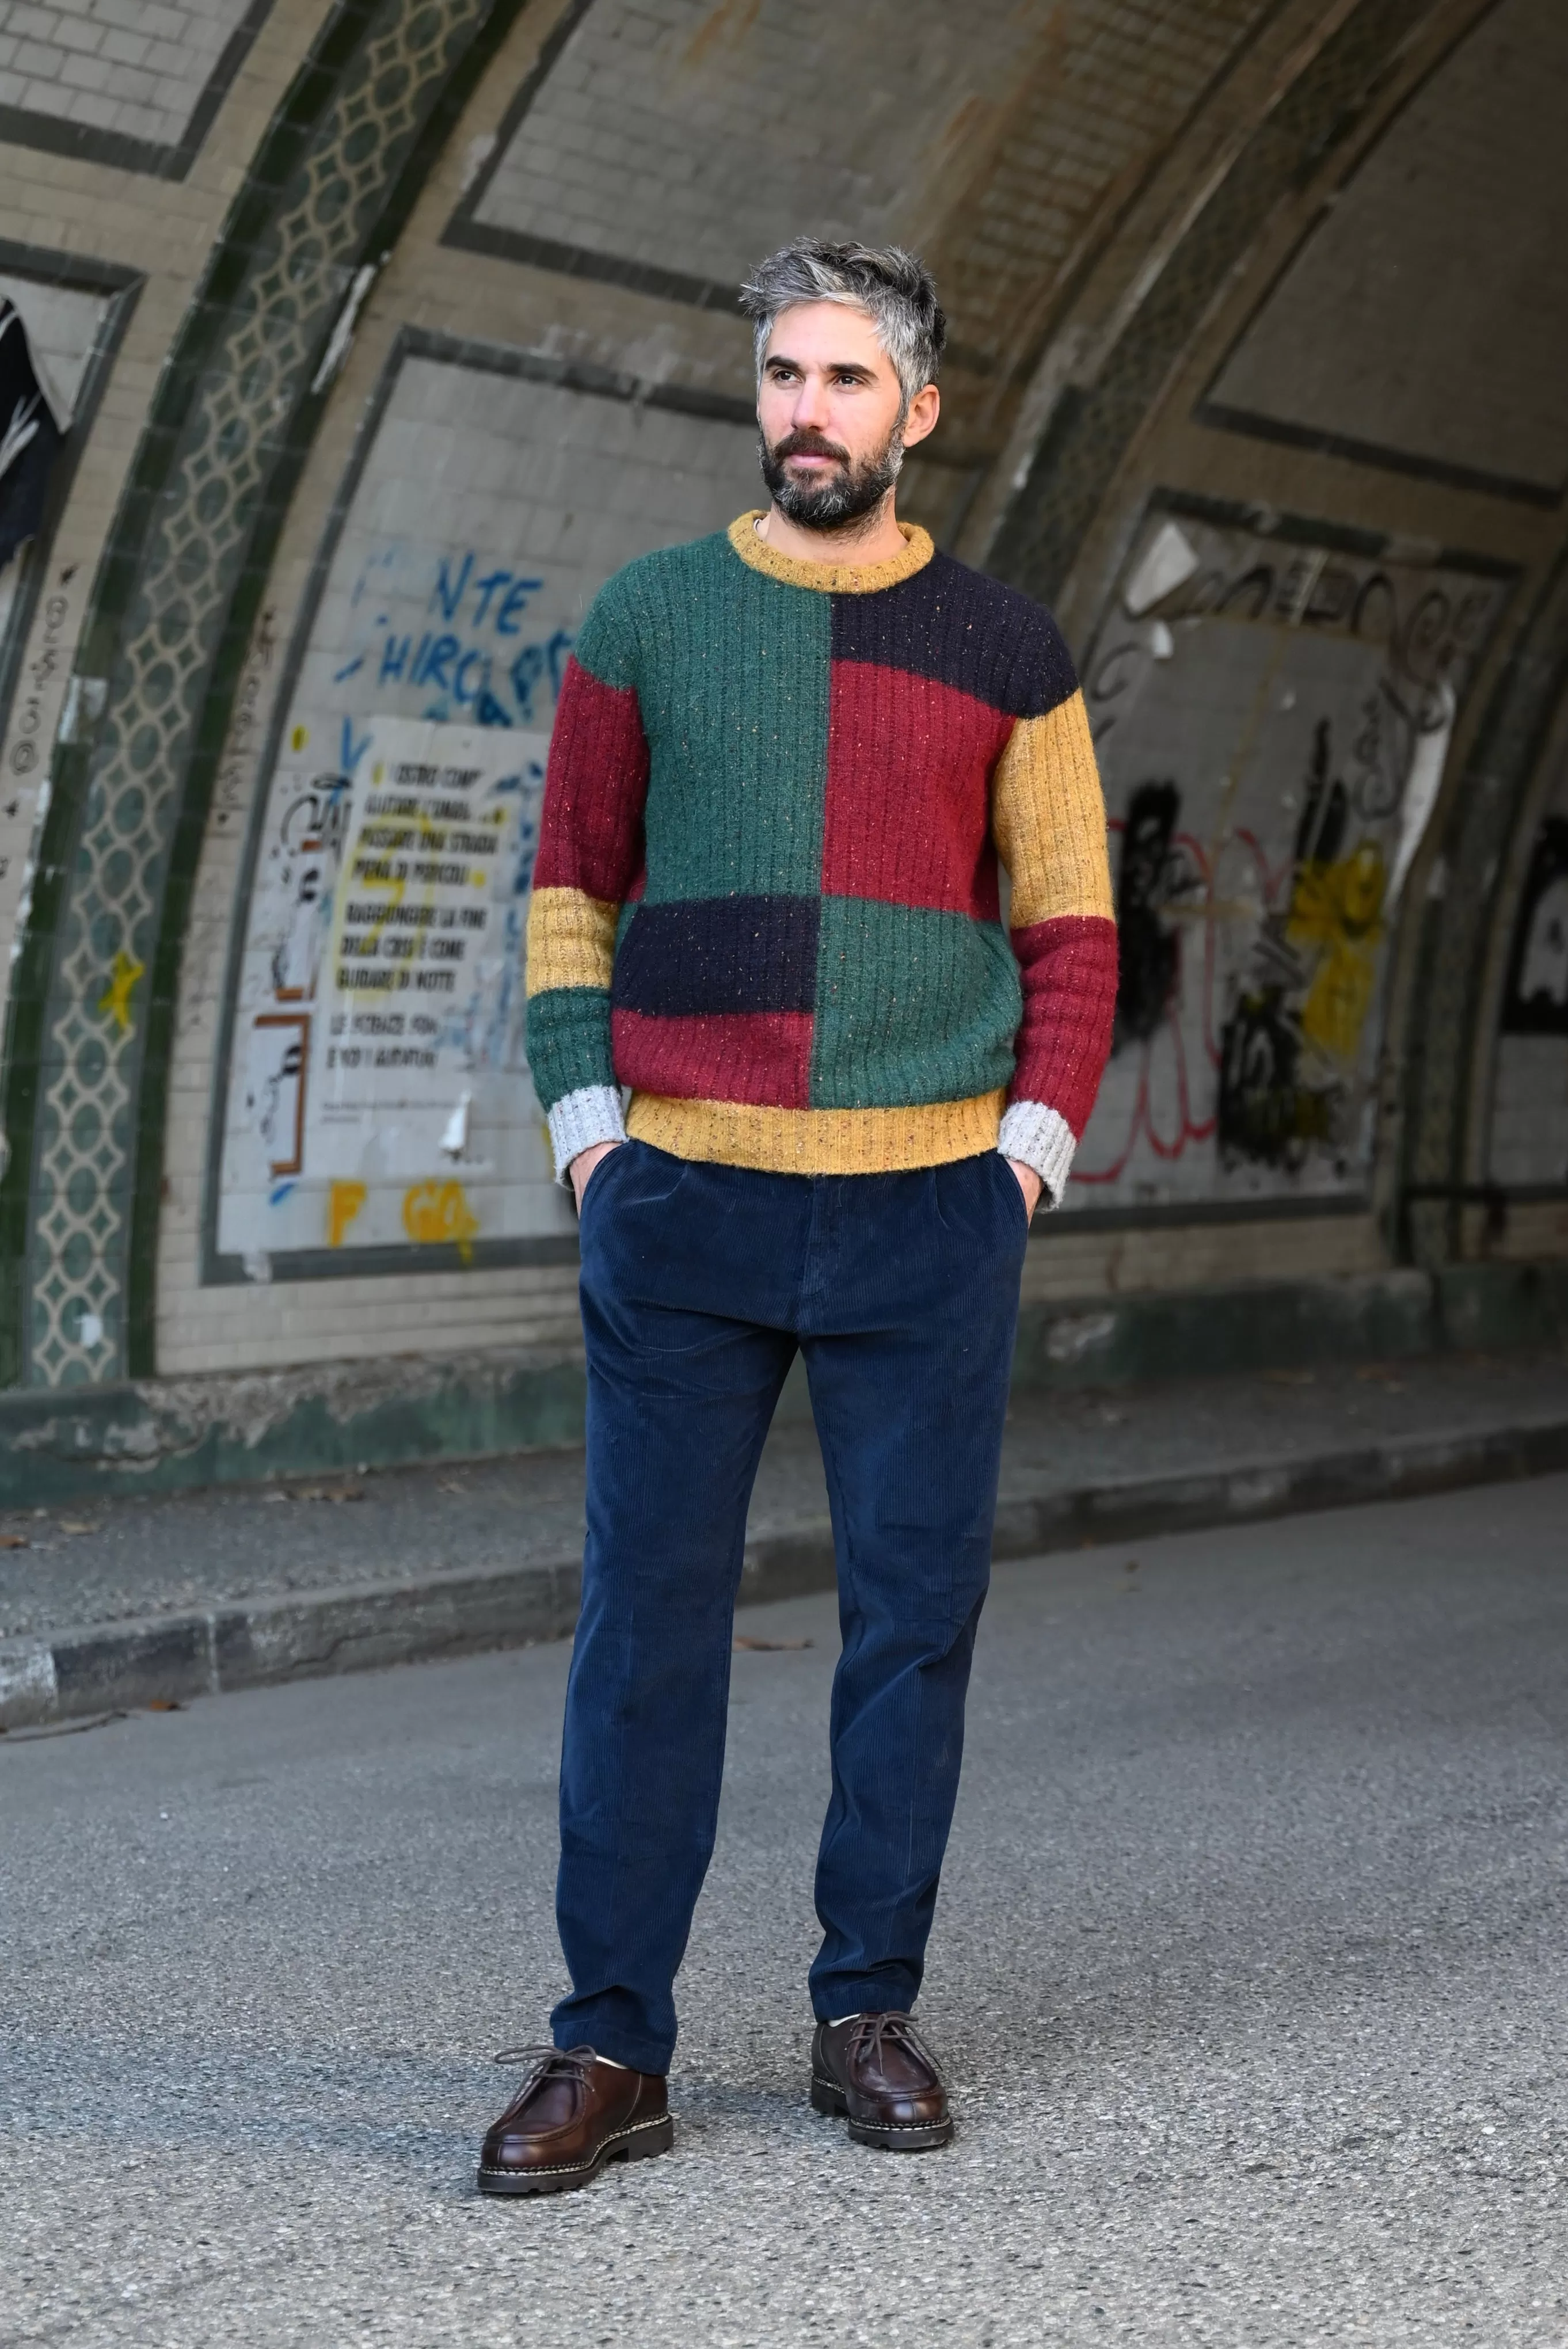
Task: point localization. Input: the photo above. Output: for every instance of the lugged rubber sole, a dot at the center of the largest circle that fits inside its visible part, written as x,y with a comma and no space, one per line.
828,2097
638,2143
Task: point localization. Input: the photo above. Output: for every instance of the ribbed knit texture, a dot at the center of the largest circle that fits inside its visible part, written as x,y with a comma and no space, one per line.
767,895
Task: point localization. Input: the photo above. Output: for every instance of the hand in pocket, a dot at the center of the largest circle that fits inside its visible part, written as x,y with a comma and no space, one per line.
1028,1182
583,1167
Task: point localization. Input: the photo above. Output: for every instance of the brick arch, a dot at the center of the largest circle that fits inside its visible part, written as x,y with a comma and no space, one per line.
1093,427
179,584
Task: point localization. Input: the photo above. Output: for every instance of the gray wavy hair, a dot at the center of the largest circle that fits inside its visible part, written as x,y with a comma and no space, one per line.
894,289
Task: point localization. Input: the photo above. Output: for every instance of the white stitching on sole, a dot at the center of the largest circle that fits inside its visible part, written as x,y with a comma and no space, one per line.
559,2168
900,2128
892,2128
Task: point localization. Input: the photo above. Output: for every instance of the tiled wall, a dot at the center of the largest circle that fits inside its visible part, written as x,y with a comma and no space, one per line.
491,506
129,70
538,366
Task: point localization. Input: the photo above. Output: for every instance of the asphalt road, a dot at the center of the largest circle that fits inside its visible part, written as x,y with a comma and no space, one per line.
1251,1968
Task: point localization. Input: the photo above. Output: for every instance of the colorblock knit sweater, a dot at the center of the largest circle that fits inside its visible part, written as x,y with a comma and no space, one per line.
767,895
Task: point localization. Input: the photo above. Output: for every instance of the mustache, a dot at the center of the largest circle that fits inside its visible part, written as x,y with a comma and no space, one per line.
806,443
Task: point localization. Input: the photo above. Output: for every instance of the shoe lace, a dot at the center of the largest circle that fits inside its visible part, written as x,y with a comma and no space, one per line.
875,2032
544,2062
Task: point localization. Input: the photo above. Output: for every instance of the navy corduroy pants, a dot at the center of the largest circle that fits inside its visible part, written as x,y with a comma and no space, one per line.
699,1282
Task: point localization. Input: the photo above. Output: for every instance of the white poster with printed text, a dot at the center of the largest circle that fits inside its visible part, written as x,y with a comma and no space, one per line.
380,1093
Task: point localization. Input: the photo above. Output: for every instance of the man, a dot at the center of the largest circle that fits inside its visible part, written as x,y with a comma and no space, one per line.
786,763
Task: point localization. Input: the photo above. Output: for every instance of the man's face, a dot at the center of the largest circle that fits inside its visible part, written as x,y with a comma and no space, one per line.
832,416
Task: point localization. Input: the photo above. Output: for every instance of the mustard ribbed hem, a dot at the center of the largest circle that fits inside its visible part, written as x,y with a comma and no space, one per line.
830,578
818,1140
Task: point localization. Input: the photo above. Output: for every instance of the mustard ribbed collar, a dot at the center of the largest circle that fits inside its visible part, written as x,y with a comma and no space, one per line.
830,578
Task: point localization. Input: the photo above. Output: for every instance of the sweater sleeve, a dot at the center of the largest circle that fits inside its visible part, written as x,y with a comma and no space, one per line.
1049,823
590,858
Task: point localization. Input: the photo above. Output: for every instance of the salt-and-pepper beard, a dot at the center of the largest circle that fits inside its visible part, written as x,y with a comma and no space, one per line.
845,496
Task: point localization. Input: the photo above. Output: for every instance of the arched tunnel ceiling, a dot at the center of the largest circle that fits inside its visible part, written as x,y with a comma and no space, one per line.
674,141
1440,276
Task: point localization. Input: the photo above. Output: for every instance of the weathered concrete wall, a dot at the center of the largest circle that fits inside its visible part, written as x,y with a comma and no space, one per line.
380,333
164,1435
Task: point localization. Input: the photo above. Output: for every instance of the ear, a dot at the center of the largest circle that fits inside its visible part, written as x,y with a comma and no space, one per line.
924,409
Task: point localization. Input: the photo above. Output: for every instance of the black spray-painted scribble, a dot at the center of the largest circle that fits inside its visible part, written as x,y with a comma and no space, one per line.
1265,1112
1535,1000
310,838
1149,950
1320,835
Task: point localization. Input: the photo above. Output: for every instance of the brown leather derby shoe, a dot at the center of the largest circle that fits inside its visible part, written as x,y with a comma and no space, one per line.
572,2113
875,2072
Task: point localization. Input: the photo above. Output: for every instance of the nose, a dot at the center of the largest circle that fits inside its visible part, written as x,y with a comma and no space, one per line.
810,408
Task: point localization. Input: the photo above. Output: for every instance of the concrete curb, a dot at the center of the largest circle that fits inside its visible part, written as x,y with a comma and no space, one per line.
259,1643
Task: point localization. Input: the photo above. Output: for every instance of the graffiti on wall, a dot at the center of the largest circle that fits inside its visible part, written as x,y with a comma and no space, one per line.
457,632
1535,999
30,435
1272,720
1528,1145
444,632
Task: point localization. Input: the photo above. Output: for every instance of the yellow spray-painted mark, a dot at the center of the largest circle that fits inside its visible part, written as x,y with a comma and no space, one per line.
115,1000
440,1210
1337,910
298,737
344,1201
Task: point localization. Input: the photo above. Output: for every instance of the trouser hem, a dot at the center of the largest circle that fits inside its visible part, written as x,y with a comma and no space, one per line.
636,2055
864,1995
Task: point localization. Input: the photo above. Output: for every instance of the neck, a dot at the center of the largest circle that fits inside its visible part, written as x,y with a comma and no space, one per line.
872,537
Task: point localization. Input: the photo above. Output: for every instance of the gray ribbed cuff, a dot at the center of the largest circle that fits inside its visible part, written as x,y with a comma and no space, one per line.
579,1120
1041,1138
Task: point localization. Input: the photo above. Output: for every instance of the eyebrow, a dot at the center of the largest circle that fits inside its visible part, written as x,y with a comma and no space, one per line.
834,366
